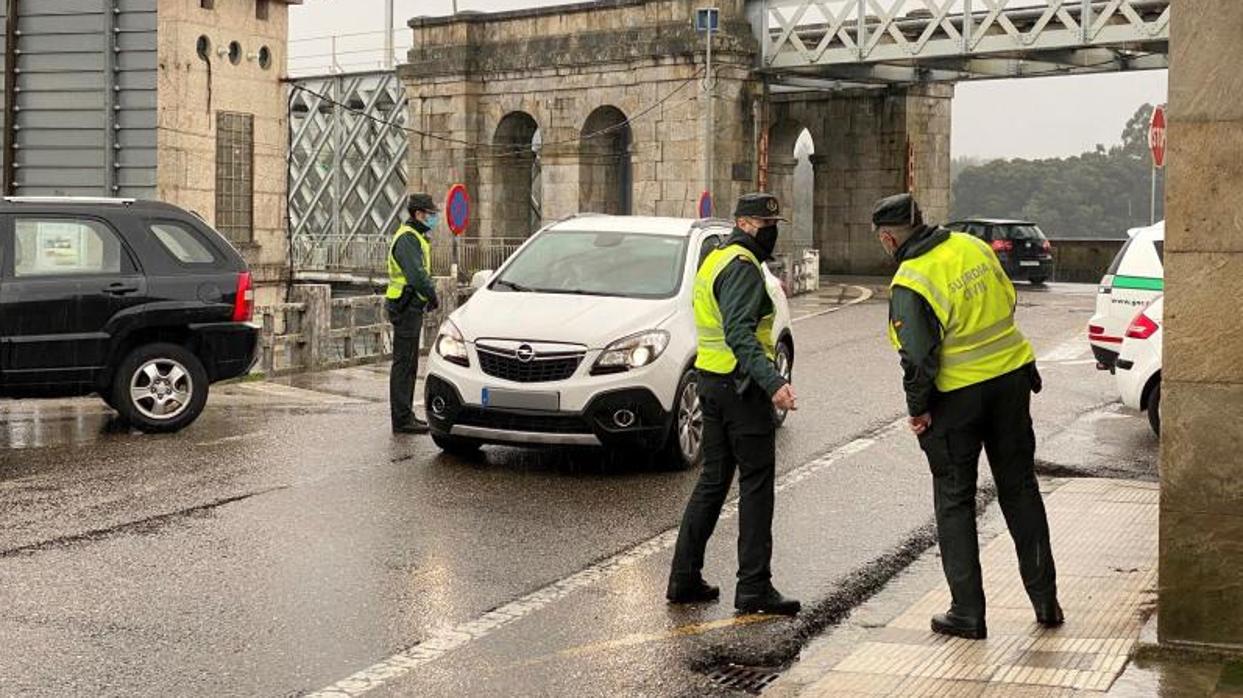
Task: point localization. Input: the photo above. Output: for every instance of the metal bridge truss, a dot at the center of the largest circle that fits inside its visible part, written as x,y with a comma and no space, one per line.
827,43
347,168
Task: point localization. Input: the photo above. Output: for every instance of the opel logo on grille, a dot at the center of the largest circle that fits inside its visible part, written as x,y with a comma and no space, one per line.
525,353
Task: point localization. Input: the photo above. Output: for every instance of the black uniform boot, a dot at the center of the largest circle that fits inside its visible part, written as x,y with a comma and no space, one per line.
1049,613
414,426
950,623
769,601
697,591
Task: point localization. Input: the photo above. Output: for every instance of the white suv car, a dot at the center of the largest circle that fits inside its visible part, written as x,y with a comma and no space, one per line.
584,337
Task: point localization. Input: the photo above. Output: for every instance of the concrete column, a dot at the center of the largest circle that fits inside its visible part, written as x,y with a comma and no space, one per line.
1201,587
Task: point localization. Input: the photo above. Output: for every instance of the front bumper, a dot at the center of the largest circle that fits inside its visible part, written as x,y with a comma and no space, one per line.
596,424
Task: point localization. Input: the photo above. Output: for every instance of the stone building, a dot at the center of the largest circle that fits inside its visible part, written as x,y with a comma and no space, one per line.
178,100
601,107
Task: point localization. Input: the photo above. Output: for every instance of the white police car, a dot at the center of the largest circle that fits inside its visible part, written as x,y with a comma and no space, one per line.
1134,279
584,337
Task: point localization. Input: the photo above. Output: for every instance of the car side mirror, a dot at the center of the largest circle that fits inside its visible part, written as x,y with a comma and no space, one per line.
480,279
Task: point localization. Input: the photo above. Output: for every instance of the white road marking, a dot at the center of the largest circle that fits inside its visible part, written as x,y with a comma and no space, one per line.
447,639
229,439
865,294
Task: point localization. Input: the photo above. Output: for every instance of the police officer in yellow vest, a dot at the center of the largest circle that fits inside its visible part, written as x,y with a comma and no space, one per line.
738,388
411,291
969,375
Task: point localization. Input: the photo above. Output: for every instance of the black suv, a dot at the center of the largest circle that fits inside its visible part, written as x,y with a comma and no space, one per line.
138,301
1023,249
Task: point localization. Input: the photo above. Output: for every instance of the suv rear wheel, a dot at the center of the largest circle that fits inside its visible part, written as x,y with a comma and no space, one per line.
160,388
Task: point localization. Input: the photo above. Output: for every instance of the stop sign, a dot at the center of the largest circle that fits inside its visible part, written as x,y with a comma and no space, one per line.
1156,136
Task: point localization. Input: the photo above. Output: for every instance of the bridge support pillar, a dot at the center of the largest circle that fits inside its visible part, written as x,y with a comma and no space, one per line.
1201,546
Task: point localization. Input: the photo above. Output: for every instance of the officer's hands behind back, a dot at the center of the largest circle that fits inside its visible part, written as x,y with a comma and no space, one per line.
784,399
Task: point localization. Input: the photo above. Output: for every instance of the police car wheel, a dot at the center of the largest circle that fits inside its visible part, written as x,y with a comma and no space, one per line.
1154,409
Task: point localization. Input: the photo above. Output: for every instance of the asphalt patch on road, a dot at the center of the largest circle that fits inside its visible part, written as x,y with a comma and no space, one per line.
774,647
145,526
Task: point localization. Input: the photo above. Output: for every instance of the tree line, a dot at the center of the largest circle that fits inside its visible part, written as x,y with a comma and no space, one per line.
1098,194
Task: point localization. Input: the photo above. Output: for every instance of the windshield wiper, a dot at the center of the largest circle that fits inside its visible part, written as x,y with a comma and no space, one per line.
512,286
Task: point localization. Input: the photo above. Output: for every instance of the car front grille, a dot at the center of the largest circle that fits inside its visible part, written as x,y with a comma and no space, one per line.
538,368
514,421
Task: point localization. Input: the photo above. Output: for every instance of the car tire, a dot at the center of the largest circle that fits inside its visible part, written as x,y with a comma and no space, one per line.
1038,280
1154,409
684,445
457,446
785,367
160,388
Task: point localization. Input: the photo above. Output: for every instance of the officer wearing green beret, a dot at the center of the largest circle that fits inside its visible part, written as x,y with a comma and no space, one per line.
738,387
969,375
411,291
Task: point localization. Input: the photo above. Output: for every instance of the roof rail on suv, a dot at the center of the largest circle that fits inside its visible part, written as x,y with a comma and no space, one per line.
104,200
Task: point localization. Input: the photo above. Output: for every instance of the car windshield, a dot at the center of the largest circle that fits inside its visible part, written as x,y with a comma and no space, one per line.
622,264
1022,232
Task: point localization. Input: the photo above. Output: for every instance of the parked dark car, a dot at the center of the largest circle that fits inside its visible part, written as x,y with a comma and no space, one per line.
1023,249
139,302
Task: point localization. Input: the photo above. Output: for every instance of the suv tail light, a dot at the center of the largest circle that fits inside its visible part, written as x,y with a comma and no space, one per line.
1142,327
244,301
1003,246
1047,246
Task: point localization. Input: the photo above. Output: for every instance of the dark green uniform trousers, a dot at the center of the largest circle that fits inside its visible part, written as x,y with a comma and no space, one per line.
407,326
996,416
739,433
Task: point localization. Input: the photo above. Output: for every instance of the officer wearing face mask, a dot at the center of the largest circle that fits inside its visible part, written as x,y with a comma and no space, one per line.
738,387
411,292
969,375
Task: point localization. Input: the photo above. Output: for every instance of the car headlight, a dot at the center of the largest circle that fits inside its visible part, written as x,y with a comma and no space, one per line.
635,351
450,344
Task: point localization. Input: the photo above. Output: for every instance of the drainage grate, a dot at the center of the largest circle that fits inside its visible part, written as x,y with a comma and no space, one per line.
753,680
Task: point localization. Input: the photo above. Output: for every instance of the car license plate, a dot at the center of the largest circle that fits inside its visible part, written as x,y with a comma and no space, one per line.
1032,263
543,401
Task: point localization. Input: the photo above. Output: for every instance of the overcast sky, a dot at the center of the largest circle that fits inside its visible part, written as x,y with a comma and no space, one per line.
1034,117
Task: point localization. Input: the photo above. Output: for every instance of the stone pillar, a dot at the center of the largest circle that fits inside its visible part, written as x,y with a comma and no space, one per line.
559,171
316,327
1201,587
822,210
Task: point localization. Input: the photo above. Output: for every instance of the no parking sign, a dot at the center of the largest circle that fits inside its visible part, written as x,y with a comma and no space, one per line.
457,209
705,205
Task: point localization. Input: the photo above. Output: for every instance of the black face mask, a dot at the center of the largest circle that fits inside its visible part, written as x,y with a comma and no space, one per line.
766,238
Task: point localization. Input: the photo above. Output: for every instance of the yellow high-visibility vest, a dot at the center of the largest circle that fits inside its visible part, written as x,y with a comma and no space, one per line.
714,354
973,299
396,277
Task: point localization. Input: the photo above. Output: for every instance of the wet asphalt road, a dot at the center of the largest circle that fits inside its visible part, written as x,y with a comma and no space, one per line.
288,541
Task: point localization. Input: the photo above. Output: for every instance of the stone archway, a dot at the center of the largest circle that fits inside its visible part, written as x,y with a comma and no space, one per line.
515,181
605,177
791,178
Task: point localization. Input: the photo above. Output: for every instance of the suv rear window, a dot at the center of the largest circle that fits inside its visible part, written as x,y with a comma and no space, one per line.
1113,266
1021,232
182,243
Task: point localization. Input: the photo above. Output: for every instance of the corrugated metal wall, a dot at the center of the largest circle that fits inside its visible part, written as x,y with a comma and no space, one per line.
85,99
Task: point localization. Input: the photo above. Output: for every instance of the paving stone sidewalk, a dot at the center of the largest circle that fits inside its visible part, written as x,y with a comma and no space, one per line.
1104,535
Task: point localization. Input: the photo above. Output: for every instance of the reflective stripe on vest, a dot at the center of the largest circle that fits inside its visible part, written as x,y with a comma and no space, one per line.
973,299
396,277
714,354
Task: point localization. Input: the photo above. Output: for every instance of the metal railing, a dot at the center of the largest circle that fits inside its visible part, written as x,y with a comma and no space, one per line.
368,255
880,41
